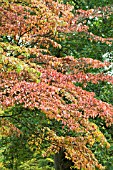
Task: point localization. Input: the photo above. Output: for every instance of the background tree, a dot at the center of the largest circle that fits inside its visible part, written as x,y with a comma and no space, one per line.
44,102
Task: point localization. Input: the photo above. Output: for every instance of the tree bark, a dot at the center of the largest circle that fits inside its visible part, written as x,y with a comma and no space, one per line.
60,162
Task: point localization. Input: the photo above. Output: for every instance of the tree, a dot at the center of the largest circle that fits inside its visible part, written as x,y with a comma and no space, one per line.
44,96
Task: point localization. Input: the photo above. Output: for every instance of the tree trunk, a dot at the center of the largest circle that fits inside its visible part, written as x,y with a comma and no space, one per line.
60,162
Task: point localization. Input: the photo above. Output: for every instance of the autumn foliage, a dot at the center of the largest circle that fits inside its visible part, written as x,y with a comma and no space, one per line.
34,79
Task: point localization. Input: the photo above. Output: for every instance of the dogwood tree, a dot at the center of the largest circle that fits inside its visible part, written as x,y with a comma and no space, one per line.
40,92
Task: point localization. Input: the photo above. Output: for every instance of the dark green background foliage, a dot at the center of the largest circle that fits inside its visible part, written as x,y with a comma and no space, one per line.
84,4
